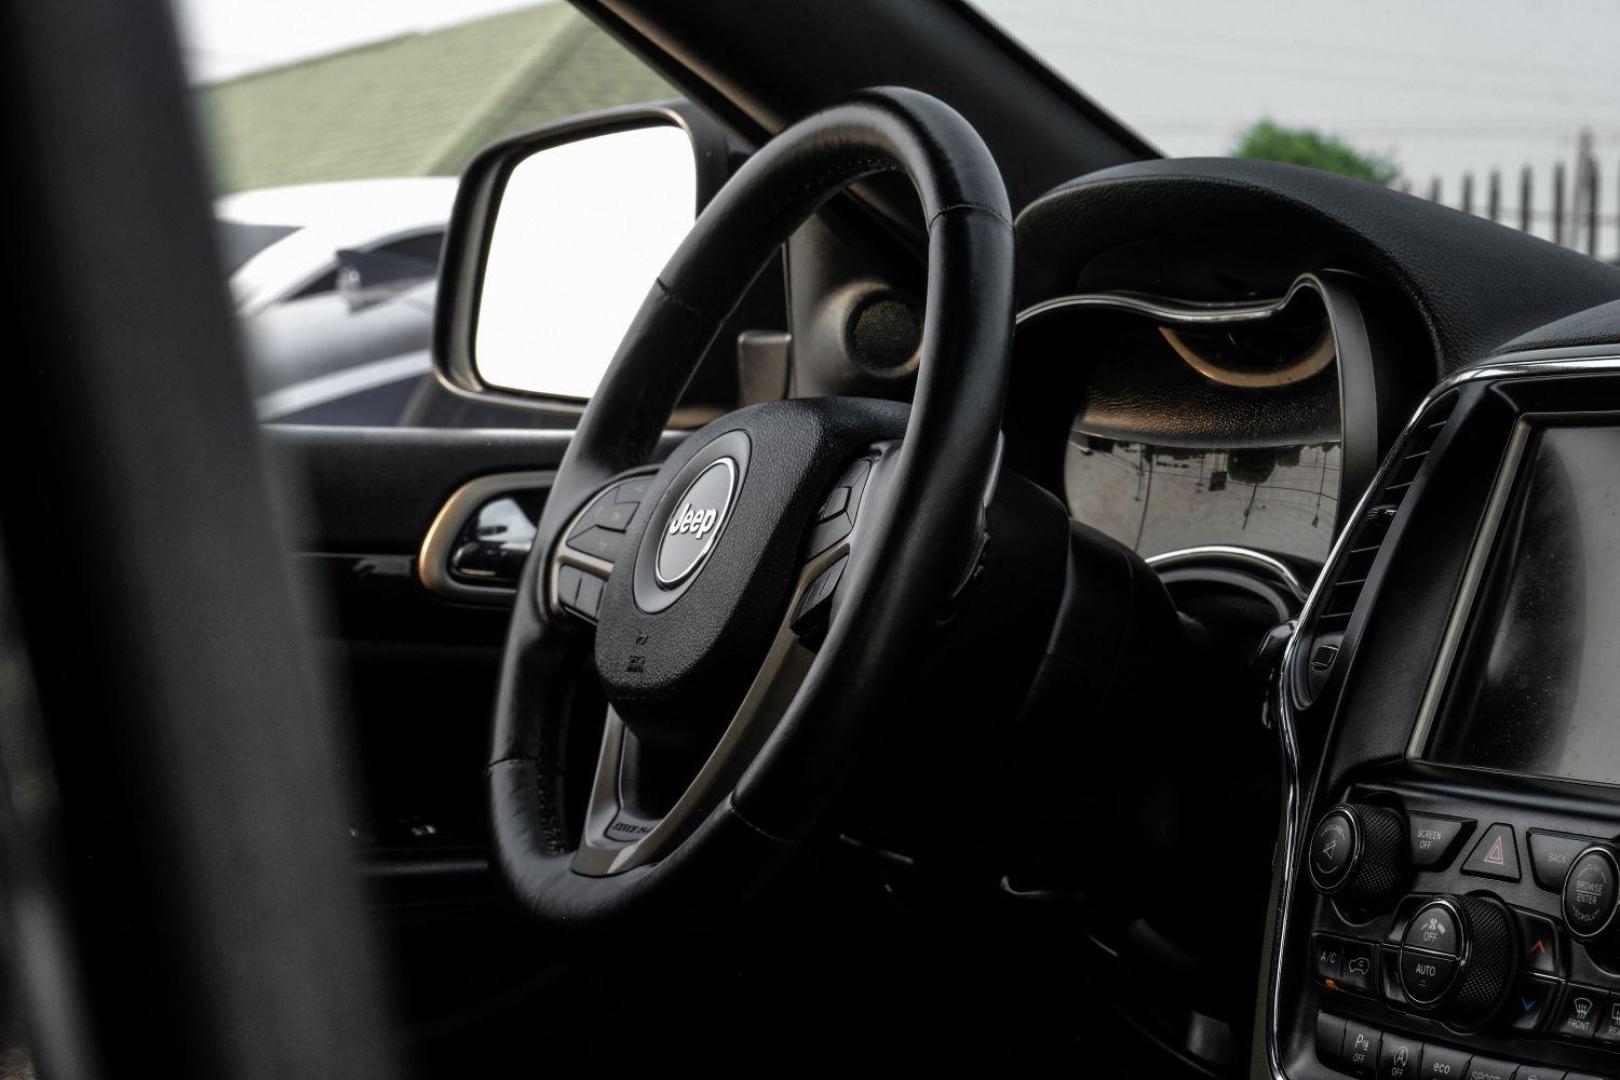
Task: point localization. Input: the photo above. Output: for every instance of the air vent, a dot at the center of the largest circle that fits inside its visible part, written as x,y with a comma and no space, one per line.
1366,536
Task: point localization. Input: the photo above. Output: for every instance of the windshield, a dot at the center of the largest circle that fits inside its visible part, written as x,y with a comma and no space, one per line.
1504,108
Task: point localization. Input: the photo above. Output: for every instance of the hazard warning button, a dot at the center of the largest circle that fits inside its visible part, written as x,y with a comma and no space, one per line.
1496,855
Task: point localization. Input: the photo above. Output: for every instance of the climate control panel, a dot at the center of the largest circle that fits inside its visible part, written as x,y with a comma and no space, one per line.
1465,940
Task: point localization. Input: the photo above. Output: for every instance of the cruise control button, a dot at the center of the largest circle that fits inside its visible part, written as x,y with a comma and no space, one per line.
1444,1063
632,491
1358,967
1530,1002
1329,958
1434,839
1329,1039
1495,855
1400,1057
1425,976
1578,1017
1551,855
1359,1054
1538,943
1484,1068
1434,928
1589,893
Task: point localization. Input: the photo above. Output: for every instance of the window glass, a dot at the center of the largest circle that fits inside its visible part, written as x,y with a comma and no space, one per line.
334,135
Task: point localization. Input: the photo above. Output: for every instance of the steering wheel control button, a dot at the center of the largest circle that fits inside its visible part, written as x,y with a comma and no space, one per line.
1433,840
1434,929
1426,976
598,542
1578,1018
816,603
1538,943
832,525
1444,1063
834,504
1399,1057
589,600
696,523
1589,893
1333,850
1358,1054
579,591
1530,1003
1496,855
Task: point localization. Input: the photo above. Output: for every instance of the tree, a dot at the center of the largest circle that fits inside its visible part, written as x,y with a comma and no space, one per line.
1268,140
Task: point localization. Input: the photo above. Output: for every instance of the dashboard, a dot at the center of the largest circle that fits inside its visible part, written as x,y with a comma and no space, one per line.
1202,424
1419,412
1452,909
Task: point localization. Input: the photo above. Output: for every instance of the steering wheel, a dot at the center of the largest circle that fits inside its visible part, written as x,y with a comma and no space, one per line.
752,601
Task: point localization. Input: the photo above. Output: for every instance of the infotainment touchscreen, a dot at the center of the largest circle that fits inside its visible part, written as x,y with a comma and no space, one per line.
1536,686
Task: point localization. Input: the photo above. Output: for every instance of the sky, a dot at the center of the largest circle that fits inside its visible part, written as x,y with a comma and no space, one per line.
1443,86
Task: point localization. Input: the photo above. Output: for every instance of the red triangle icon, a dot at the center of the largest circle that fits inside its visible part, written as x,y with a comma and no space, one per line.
1494,856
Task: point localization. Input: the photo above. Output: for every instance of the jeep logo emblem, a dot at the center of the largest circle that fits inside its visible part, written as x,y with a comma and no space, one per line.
700,522
696,523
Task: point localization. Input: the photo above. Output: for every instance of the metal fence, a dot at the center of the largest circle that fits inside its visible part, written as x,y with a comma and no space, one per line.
1564,204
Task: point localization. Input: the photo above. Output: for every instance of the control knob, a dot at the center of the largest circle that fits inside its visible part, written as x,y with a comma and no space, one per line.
1358,856
1589,891
1458,958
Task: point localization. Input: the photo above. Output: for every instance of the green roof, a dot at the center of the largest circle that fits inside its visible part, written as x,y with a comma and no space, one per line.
417,105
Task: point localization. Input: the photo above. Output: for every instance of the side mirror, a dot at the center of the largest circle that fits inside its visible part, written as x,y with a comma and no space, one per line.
554,241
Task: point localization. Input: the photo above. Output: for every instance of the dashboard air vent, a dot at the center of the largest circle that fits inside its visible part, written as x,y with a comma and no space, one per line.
1366,536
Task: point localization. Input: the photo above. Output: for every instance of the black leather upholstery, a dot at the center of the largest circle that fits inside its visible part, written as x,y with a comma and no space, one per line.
924,531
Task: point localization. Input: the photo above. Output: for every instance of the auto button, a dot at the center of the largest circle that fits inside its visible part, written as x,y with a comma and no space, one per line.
1426,976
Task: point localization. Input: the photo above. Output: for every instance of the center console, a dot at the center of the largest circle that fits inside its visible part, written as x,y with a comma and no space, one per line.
1449,708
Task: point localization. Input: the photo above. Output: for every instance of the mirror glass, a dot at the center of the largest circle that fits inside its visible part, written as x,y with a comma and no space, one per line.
581,231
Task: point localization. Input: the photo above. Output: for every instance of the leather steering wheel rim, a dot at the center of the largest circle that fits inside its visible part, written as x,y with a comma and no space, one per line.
926,526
